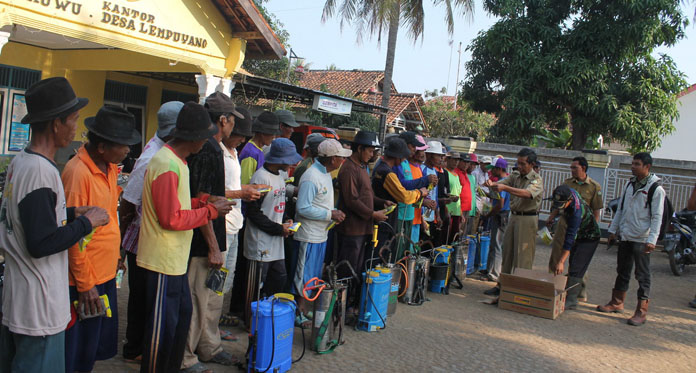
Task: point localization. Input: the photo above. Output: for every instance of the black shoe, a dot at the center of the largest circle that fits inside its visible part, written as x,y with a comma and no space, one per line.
494,291
692,304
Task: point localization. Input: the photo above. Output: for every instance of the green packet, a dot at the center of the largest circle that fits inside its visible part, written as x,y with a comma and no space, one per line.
85,240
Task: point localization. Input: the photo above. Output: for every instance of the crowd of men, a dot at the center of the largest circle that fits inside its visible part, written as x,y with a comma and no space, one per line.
195,206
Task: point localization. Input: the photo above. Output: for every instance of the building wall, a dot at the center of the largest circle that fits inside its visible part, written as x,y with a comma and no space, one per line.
680,144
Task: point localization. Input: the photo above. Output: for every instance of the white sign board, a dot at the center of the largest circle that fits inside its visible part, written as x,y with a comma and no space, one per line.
331,105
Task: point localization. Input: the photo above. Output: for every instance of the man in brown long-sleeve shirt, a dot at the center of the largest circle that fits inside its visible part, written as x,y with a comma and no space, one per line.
358,202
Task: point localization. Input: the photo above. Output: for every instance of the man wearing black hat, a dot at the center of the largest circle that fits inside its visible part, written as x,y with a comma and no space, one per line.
581,239
90,179
387,186
287,122
209,242
169,216
362,208
265,128
36,230
130,212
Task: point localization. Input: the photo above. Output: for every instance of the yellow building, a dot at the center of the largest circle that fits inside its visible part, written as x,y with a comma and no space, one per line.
136,54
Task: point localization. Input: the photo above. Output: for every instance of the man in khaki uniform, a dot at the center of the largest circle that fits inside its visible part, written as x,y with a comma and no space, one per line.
525,187
591,193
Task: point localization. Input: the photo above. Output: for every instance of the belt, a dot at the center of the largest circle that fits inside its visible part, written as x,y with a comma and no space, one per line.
531,213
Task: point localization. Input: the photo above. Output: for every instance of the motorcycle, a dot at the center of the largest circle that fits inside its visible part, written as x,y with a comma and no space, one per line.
679,241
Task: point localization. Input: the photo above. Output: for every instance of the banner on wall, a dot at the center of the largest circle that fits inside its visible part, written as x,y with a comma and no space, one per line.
19,132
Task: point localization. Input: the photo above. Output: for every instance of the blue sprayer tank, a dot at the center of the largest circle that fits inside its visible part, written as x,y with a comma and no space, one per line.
473,249
440,259
276,314
377,283
485,245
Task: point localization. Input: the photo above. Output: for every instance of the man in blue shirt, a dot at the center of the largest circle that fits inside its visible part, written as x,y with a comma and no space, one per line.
580,242
499,215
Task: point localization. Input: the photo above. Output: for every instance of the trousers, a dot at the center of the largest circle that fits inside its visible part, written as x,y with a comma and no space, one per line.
630,254
519,243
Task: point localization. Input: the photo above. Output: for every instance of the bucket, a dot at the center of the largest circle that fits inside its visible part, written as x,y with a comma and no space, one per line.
374,299
485,243
440,264
274,314
471,255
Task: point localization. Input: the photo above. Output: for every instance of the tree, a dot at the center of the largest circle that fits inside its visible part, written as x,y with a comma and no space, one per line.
375,16
579,64
444,121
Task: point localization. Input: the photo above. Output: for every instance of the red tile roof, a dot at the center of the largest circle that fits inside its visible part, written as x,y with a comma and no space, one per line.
349,82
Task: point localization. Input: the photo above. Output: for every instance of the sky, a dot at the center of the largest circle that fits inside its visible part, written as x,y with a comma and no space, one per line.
425,64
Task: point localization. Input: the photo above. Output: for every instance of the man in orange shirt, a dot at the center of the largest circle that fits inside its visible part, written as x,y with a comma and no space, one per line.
90,180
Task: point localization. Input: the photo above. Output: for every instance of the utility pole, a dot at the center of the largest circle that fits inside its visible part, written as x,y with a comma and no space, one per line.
456,84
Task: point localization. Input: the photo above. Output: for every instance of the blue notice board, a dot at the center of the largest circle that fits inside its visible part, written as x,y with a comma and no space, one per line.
19,132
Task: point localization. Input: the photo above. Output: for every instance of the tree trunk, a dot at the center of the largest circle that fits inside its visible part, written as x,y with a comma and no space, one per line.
389,66
579,137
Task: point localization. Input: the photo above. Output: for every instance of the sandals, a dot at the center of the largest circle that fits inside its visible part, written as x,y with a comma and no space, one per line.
197,368
229,320
227,336
223,358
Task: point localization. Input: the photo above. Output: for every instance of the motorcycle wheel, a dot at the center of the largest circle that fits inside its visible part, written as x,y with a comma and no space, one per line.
676,258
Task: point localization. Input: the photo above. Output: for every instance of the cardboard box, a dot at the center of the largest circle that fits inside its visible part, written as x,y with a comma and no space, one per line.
535,293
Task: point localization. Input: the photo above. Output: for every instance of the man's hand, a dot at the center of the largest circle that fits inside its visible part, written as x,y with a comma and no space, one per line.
388,203
611,239
559,268
429,203
432,179
222,205
379,216
214,258
497,187
454,198
121,265
286,228
250,192
97,216
649,247
423,191
337,216
79,211
91,300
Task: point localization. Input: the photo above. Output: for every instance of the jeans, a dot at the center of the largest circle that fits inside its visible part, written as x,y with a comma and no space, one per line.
36,354
495,254
231,260
631,253
580,257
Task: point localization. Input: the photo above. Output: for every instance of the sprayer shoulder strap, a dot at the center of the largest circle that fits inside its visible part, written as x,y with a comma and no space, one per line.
325,325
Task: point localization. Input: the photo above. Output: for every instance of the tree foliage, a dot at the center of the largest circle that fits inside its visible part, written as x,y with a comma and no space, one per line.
444,121
586,65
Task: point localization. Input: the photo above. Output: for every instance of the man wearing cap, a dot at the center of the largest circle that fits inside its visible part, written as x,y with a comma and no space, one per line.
454,207
207,176
469,168
525,187
90,179
263,236
251,158
591,193
465,196
287,122
36,230
361,207
386,184
169,216
415,162
499,216
581,237
315,211
430,209
405,218
130,214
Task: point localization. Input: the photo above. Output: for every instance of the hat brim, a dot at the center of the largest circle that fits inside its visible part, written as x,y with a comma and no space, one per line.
132,138
166,131
54,113
292,123
247,133
195,135
394,154
237,114
289,160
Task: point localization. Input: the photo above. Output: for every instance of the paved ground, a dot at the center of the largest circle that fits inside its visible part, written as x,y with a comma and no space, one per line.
458,333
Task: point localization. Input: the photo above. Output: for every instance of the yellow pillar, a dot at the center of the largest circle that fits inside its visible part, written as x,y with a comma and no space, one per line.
89,84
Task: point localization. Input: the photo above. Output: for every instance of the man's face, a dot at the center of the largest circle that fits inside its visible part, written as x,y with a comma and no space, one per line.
411,149
233,141
335,164
523,165
365,153
285,130
266,139
227,125
65,131
451,163
463,165
484,167
472,167
577,171
113,153
433,159
196,146
638,169
375,155
419,156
